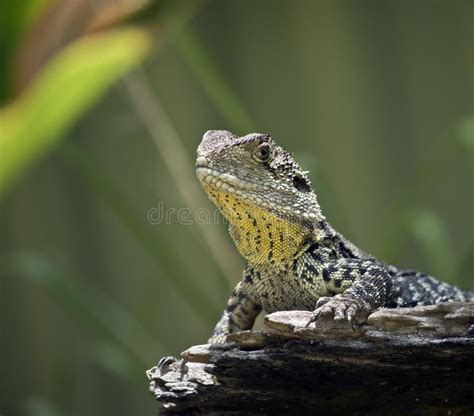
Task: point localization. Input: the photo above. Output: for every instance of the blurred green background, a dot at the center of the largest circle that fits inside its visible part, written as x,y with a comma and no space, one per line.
104,103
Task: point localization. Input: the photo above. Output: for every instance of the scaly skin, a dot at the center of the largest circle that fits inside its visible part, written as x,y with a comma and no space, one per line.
295,259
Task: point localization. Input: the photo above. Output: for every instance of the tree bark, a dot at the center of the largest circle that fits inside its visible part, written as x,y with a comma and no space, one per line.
410,361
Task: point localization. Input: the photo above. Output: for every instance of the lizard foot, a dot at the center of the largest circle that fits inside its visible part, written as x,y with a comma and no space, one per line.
341,307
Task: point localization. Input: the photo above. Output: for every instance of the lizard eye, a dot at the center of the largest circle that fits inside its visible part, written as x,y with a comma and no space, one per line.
263,152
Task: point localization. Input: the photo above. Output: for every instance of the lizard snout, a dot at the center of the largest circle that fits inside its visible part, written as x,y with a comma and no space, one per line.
214,140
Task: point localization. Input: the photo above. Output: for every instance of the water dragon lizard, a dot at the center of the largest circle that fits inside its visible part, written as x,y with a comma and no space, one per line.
295,258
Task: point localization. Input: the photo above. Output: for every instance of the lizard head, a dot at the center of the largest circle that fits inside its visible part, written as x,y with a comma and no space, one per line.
256,183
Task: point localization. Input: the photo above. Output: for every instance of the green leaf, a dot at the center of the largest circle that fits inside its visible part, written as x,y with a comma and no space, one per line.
16,18
63,91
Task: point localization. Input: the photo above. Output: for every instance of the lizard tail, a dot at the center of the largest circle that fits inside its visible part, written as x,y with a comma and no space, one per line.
412,288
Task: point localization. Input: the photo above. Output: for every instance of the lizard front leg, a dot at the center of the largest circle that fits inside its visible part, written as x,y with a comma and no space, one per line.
240,313
361,286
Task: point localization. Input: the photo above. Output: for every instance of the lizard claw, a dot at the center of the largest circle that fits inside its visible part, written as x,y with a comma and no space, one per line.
314,318
164,364
320,310
342,308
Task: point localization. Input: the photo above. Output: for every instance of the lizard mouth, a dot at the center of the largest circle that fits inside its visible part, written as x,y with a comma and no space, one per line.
225,181
250,192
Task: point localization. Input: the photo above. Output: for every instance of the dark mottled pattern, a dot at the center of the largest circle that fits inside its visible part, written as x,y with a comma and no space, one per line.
295,259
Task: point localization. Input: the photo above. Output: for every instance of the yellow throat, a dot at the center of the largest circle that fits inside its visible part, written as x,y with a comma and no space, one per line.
260,236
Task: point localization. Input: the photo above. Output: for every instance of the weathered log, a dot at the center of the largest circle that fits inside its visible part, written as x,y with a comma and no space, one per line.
410,361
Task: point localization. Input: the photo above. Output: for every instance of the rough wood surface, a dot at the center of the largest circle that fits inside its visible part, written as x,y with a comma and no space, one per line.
410,361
